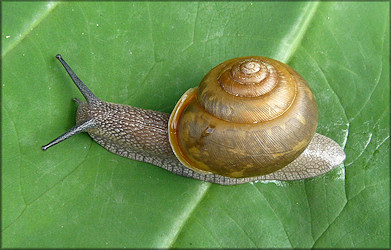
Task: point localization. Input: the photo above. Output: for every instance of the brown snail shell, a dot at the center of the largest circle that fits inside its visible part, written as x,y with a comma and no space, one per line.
250,116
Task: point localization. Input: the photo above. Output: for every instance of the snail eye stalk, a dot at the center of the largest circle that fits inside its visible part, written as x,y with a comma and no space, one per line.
90,98
87,93
71,132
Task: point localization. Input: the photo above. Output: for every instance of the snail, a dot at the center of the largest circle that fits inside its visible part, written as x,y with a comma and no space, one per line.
252,118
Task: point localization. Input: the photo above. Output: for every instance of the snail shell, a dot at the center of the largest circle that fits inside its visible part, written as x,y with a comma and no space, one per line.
250,116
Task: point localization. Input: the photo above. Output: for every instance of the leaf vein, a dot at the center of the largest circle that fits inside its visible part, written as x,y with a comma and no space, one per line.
274,212
294,38
184,218
240,227
369,97
19,151
50,7
151,27
63,178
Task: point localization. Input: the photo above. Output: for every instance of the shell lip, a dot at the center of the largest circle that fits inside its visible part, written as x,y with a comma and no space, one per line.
181,106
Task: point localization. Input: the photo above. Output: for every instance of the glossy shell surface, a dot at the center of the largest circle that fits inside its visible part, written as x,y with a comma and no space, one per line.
250,116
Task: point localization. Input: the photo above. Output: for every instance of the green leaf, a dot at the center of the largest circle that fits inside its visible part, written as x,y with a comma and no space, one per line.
147,54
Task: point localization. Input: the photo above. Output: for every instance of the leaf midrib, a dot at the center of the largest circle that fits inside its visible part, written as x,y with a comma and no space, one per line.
28,29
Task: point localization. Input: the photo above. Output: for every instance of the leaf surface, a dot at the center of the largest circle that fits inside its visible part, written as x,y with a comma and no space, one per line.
147,54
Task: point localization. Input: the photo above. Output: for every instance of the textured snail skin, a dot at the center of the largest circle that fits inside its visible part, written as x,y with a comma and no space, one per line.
145,135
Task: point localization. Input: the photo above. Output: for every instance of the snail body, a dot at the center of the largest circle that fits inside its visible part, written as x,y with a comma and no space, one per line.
251,118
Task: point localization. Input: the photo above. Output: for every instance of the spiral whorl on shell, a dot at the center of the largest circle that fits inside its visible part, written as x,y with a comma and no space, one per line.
250,116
